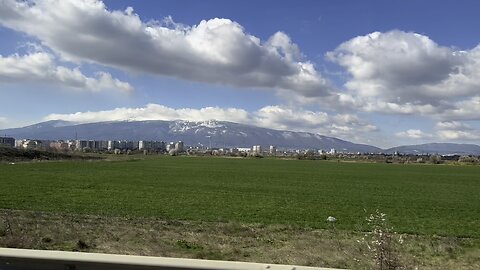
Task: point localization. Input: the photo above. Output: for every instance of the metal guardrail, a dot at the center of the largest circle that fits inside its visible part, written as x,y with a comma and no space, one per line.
24,259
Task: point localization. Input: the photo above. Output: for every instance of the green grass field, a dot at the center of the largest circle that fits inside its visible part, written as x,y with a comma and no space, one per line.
424,199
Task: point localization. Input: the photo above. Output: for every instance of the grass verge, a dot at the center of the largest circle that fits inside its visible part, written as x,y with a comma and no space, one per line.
282,244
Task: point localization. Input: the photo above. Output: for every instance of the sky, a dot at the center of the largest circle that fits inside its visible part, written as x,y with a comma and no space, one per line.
384,73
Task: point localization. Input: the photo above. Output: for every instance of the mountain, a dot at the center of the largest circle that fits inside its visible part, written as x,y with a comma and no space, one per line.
217,134
214,133
437,148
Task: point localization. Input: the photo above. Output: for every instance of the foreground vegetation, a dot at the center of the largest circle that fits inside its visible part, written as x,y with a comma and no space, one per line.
282,244
419,199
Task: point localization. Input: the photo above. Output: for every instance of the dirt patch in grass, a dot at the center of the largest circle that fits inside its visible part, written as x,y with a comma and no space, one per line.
224,241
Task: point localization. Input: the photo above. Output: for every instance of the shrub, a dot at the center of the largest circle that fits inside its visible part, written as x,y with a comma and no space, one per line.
382,242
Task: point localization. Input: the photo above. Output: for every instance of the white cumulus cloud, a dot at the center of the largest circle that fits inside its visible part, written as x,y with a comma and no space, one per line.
155,112
457,135
41,67
453,131
413,134
217,51
452,125
408,73
468,109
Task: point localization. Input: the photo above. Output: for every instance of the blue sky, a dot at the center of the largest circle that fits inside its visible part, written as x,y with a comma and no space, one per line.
379,72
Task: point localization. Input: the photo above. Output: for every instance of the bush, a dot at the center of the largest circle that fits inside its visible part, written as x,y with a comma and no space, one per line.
435,159
468,160
382,242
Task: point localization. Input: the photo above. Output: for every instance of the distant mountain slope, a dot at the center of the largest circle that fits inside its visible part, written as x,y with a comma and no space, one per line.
437,148
217,134
214,133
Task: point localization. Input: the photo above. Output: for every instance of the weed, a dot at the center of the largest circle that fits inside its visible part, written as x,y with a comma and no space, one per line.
382,242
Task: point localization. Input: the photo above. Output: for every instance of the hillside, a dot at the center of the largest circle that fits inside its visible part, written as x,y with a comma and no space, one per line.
437,148
206,133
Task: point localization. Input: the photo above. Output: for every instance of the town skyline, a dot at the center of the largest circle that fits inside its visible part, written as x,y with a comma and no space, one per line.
354,71
226,137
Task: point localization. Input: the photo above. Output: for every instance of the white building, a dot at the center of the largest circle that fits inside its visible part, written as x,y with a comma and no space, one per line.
273,150
257,149
144,145
170,146
179,146
111,145
244,149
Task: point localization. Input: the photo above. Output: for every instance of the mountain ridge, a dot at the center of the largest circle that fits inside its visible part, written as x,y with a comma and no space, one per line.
217,134
437,148
210,132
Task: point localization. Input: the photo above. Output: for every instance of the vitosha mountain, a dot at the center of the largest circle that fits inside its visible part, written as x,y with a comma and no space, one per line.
216,134
207,133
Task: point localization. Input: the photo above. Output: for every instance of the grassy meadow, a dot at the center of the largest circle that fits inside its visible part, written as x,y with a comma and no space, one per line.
418,199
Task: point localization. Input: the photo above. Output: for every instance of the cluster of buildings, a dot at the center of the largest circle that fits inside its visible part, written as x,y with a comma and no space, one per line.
174,148
272,150
258,150
93,145
151,146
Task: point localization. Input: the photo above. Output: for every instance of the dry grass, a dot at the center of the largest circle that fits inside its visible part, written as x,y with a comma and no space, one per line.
223,241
